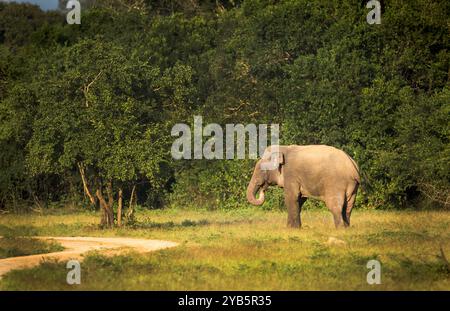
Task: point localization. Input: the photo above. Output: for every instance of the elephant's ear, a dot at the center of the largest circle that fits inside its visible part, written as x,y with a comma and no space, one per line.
272,161
279,156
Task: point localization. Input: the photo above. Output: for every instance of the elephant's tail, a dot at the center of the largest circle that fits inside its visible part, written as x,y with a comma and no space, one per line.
357,172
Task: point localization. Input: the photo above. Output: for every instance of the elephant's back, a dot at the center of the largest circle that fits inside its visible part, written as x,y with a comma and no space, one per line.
326,159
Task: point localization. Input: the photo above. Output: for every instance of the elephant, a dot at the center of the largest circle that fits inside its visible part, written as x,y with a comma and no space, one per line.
309,171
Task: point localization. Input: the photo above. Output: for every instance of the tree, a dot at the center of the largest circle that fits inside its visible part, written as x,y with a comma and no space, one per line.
99,113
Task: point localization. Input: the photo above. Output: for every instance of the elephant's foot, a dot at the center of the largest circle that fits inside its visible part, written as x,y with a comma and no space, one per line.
294,224
341,225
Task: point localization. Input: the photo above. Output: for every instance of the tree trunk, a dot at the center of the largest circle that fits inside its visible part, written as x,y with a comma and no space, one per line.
108,213
119,208
85,184
130,211
109,191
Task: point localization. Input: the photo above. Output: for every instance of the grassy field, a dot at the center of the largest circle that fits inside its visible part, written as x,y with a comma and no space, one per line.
22,246
247,249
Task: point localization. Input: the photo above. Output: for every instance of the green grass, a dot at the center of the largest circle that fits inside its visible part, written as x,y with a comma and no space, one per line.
21,246
248,249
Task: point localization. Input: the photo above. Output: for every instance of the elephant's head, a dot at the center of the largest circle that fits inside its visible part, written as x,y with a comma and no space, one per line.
268,172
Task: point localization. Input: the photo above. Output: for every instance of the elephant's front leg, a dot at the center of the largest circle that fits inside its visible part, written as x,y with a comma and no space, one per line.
292,204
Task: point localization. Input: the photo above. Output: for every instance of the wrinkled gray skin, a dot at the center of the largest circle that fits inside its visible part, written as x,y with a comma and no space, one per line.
314,171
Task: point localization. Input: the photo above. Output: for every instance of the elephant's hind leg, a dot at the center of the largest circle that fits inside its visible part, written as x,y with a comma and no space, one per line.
336,207
347,212
301,201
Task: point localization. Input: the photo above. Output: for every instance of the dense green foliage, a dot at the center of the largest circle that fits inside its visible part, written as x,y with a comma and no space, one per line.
104,95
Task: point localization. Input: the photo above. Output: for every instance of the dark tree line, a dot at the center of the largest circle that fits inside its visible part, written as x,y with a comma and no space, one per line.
86,110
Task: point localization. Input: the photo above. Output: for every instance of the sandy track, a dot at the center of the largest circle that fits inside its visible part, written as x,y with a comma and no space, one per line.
76,246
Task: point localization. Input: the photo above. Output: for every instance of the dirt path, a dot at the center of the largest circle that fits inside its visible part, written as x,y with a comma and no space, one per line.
76,246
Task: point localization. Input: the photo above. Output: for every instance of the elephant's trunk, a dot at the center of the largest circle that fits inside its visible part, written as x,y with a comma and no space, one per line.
251,192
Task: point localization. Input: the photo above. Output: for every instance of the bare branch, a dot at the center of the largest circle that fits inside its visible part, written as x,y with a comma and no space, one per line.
86,87
85,184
